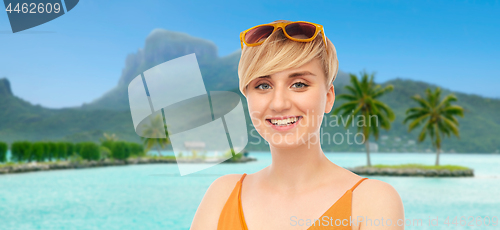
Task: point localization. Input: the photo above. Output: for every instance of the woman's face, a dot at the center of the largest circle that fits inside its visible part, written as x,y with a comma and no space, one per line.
299,94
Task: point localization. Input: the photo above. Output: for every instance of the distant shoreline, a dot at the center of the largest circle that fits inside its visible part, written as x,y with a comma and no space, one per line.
411,172
48,166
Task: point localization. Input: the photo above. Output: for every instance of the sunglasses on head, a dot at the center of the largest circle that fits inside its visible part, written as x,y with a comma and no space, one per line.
299,31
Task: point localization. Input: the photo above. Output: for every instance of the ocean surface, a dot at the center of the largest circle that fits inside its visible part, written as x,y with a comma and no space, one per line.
156,196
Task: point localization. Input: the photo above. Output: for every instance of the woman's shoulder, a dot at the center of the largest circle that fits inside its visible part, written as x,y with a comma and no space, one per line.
378,188
227,179
377,199
367,186
221,188
208,212
225,183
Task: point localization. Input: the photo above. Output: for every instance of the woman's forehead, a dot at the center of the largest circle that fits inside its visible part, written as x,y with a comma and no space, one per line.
312,68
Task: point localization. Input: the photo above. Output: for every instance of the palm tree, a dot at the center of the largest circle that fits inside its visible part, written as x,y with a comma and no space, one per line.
363,103
108,141
152,130
437,117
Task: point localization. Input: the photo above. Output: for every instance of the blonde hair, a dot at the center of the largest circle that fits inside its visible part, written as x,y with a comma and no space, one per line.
278,53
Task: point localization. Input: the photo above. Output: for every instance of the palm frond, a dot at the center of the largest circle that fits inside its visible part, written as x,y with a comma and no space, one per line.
380,92
356,85
348,97
454,110
451,125
417,121
423,103
346,106
383,107
417,110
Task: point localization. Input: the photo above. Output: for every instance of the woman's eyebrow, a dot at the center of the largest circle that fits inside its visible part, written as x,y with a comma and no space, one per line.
298,74
292,75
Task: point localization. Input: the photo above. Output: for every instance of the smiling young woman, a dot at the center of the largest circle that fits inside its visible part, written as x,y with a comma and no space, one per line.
287,73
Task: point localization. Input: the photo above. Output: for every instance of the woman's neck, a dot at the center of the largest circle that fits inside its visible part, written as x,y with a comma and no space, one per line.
295,169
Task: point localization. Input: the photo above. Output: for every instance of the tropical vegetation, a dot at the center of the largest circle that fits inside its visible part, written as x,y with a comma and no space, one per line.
436,116
362,105
40,151
155,133
3,151
230,154
423,167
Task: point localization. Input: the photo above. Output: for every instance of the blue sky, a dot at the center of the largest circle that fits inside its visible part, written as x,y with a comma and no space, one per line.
79,56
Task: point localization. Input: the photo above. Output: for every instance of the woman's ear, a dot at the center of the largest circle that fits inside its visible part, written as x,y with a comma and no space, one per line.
330,98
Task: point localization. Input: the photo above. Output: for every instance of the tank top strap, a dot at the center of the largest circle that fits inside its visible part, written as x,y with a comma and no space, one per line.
359,182
242,177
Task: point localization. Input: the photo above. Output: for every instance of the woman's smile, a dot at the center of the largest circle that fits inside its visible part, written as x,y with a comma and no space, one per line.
284,123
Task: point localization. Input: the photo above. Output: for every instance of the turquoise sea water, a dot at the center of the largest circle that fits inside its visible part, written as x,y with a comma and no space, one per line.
156,197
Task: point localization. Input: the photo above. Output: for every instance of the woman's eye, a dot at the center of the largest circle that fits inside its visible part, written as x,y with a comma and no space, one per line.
300,85
263,84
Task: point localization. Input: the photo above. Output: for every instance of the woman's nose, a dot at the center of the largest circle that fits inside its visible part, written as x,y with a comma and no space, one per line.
280,100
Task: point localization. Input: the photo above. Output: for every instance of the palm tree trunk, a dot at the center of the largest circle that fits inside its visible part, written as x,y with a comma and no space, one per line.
437,156
158,148
367,147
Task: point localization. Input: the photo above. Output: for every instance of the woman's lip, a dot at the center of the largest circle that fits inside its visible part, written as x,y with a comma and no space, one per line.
281,118
284,127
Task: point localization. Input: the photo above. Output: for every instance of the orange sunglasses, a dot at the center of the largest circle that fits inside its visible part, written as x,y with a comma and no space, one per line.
300,31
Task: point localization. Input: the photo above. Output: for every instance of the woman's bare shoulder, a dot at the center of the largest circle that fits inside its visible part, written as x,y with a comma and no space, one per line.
375,185
377,199
208,212
224,185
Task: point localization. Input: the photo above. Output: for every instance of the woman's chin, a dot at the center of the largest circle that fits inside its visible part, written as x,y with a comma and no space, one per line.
285,143
285,146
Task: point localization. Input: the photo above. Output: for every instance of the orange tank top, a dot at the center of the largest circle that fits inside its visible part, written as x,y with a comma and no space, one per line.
232,218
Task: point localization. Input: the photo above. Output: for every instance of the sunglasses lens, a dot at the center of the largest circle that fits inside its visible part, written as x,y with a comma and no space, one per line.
300,30
259,33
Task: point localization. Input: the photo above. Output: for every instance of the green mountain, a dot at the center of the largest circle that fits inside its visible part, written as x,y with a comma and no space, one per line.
479,128
20,120
160,46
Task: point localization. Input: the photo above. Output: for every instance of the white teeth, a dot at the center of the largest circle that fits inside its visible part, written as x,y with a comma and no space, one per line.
284,121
